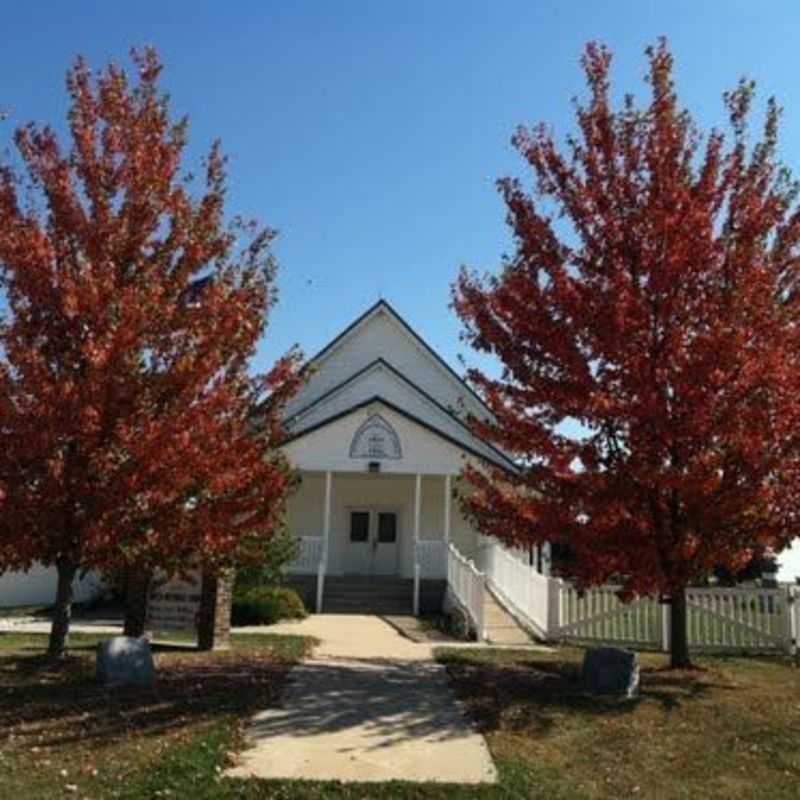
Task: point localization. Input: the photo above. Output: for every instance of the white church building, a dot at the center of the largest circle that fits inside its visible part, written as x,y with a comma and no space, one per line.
379,437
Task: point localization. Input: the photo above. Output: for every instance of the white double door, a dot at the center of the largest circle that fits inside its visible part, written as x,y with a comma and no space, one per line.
372,542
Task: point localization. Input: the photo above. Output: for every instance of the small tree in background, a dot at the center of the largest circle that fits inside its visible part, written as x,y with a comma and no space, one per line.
652,299
263,562
125,398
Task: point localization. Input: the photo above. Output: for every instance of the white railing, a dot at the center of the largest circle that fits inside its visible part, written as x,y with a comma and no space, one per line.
311,559
467,586
309,556
518,586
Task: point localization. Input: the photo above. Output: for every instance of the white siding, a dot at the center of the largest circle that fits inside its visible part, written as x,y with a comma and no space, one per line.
463,535
381,335
304,515
328,447
38,587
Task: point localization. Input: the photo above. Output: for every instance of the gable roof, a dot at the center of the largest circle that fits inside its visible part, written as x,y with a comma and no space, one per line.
388,308
351,370
464,437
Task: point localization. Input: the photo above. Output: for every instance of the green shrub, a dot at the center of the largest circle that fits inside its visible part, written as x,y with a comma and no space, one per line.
266,605
255,611
264,562
292,605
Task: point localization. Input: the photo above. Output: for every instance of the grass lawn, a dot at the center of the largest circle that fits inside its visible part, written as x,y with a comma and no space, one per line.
63,736
731,729
728,730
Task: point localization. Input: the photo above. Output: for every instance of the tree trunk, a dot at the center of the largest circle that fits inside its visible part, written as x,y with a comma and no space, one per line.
62,611
137,586
679,635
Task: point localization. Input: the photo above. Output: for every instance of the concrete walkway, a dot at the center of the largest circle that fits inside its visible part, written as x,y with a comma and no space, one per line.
353,636
370,706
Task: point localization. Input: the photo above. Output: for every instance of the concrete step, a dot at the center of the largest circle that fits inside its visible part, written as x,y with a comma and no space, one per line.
367,581
499,626
366,591
507,638
377,595
388,609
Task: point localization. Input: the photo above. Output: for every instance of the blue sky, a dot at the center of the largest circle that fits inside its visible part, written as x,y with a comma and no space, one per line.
370,133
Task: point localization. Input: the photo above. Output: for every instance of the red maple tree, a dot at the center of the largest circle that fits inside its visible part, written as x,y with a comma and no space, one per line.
647,326
125,396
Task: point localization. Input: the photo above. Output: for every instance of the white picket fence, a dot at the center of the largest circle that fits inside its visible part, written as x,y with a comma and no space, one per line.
466,586
599,615
718,618
744,618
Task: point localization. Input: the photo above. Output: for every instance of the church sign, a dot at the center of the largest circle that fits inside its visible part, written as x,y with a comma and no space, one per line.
173,604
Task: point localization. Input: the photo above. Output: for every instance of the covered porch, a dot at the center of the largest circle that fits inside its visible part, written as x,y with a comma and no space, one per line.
379,529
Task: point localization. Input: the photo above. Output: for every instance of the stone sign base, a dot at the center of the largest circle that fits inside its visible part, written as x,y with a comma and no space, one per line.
214,617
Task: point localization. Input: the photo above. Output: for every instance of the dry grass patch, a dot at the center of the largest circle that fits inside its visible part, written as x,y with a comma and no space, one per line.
728,729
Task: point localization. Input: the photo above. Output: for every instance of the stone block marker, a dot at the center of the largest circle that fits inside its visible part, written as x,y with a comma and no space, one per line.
125,661
610,670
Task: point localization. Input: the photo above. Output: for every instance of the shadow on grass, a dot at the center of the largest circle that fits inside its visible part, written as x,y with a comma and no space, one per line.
529,693
55,704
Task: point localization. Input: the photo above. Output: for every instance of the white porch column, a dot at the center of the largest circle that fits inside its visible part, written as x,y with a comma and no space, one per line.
326,535
326,515
417,506
447,498
417,566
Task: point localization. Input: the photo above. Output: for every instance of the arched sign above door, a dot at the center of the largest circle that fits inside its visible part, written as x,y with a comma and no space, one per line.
376,440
